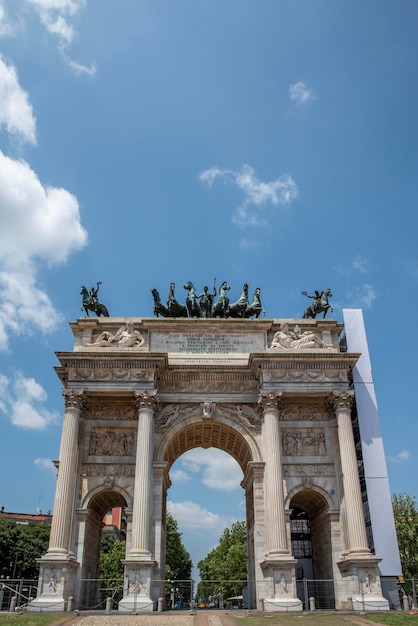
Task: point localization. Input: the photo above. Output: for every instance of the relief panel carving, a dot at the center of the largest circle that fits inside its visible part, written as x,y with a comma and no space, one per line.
303,441
112,442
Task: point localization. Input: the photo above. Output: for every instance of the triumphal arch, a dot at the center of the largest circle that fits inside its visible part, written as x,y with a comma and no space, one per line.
276,394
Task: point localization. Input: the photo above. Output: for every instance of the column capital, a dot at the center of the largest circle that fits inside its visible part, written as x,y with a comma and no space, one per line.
269,400
341,400
74,398
146,399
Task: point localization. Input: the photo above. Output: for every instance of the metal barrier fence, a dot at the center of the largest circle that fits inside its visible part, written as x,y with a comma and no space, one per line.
107,595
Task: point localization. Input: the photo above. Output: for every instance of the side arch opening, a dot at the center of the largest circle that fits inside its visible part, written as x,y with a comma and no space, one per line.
94,519
310,527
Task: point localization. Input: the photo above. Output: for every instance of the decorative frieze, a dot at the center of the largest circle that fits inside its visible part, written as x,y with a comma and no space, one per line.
107,469
299,412
109,411
196,383
303,441
308,469
114,374
304,376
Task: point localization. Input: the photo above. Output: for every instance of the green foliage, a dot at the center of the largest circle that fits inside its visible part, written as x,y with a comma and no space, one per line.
225,567
112,552
405,512
178,562
20,546
178,565
30,619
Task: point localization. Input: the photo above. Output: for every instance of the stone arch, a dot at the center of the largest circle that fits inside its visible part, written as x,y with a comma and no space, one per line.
90,516
311,539
108,497
228,435
232,436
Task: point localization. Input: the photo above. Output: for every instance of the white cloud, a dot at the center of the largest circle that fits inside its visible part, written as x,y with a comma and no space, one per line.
55,14
300,94
249,244
360,264
23,401
362,297
8,28
16,114
367,296
78,68
220,471
180,476
39,226
404,455
191,516
257,193
45,464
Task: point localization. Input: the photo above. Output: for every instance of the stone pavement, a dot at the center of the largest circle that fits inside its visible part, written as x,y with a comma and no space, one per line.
204,618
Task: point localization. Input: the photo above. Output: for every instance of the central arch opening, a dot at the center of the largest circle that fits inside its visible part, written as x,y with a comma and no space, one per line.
207,461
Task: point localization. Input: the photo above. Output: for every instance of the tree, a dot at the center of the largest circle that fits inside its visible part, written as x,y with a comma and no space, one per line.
225,567
178,563
405,511
112,552
20,547
178,566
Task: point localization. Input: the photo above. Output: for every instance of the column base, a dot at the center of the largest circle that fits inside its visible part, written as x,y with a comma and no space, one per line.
136,604
369,602
283,604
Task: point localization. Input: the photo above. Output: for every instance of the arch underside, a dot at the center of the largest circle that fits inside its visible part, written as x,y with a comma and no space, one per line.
209,434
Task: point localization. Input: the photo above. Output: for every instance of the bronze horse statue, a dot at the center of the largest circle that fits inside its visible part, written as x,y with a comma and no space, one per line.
191,301
176,309
173,308
220,307
320,304
238,308
159,308
255,308
91,302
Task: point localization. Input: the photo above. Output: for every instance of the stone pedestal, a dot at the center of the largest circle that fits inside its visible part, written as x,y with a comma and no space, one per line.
362,584
137,587
280,575
56,585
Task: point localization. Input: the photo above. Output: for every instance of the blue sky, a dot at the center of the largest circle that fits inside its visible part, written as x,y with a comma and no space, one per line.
146,141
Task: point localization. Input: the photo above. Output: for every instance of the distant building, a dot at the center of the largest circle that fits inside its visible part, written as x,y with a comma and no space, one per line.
114,521
26,518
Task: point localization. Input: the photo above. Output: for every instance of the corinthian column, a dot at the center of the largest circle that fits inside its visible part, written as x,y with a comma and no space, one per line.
276,539
146,403
356,528
59,542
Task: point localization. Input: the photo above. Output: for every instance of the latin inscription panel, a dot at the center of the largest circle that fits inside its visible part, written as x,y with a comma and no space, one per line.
207,343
